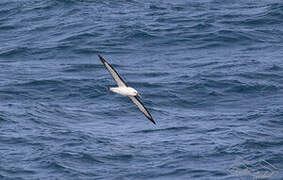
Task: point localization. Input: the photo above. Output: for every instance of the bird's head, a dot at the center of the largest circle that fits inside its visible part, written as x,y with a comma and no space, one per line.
134,92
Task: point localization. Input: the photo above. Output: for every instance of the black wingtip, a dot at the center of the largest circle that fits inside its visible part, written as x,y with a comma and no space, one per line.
152,121
101,58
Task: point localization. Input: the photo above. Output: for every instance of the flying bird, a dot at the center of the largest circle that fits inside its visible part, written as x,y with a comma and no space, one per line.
125,90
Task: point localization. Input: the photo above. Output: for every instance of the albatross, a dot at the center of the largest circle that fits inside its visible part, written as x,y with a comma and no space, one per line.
125,90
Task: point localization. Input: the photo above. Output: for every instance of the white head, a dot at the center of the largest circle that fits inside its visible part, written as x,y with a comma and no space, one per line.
133,92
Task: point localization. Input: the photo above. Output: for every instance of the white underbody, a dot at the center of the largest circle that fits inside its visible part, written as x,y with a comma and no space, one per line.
126,91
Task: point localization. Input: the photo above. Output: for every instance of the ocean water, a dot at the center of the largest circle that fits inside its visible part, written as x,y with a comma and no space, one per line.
209,71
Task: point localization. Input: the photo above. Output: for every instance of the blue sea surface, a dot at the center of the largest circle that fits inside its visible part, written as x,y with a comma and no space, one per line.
210,72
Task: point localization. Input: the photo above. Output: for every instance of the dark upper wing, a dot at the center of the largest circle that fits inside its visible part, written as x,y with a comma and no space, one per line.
142,107
113,72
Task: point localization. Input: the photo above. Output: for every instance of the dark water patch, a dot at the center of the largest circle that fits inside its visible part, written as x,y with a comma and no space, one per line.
156,7
11,52
269,17
86,51
15,173
272,123
202,26
55,167
79,157
38,5
41,83
73,87
181,19
166,129
11,140
203,64
140,34
253,143
2,118
218,84
79,36
230,37
12,93
277,112
235,64
119,157
275,68
177,8
151,74
217,130
8,27
262,76
256,88
81,67
215,39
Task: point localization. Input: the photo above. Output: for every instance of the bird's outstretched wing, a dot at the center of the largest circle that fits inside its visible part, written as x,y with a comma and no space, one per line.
113,72
142,108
